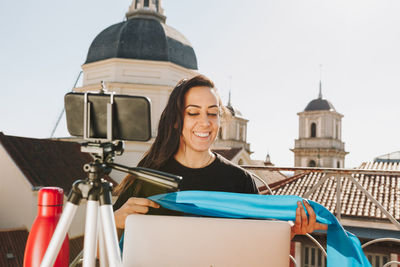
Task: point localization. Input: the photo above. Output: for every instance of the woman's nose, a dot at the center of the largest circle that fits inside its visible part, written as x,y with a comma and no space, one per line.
204,120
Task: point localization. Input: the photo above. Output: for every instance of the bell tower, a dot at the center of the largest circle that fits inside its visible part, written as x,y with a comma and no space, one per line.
320,136
233,129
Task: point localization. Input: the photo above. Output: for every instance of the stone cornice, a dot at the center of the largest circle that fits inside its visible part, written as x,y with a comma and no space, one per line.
319,112
138,62
320,151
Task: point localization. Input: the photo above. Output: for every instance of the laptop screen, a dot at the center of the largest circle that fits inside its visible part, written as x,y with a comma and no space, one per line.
152,240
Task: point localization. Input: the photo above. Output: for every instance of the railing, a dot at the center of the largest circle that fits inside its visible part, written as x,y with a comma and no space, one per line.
338,175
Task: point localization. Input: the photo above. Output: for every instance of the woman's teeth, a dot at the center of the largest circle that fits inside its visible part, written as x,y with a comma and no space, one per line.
201,134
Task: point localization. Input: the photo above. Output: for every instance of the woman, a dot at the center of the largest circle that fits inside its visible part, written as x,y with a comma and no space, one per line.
188,127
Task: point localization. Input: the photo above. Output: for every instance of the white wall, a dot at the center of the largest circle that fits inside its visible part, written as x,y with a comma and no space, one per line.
18,205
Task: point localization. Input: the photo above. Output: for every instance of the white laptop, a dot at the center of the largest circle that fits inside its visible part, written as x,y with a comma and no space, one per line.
177,241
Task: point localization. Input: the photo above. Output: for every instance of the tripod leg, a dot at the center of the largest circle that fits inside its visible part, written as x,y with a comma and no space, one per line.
102,246
108,225
59,235
110,235
90,242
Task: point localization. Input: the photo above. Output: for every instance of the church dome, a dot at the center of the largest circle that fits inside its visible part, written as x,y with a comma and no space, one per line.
144,35
319,104
234,111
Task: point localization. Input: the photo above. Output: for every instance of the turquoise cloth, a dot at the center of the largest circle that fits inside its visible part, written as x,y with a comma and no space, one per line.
343,248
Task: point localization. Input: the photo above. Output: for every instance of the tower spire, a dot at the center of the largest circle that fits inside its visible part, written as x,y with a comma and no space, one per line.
230,91
320,90
320,82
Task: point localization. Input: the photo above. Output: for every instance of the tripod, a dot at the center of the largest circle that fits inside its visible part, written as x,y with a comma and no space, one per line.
100,226
115,113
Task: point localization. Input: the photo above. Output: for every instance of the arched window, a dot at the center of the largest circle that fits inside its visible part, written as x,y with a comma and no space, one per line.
312,163
313,130
240,162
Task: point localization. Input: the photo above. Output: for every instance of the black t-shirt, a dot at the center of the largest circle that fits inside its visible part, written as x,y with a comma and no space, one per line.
220,175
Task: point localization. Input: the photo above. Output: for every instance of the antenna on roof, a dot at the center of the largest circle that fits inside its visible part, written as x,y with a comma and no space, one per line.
63,109
320,82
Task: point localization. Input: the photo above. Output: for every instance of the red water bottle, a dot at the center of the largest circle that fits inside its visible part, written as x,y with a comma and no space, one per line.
50,201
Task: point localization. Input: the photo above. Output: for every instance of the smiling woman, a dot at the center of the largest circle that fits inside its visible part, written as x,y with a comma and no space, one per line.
188,127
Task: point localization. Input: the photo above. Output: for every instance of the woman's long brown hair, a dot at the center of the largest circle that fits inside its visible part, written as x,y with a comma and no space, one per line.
170,127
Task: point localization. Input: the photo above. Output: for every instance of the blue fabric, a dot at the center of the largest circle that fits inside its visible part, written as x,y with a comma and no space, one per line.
121,243
343,248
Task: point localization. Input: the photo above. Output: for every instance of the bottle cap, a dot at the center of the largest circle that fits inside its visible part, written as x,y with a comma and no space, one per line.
50,196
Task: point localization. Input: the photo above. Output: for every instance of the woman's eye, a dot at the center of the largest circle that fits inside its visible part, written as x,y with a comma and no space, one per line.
213,114
193,114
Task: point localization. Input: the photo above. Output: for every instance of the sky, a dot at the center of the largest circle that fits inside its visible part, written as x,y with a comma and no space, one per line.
268,53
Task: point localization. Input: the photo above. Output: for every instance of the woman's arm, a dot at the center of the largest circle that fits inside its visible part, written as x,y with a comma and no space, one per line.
133,205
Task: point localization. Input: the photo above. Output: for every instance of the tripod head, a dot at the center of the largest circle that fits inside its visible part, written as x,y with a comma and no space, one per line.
104,154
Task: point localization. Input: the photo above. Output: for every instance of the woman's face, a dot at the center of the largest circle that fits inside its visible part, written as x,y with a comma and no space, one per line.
200,119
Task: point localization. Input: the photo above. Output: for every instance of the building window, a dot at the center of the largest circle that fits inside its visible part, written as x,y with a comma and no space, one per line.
313,130
377,260
146,3
313,257
338,164
312,163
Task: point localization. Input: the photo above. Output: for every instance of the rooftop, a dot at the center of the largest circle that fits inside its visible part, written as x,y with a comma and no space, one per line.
385,188
46,162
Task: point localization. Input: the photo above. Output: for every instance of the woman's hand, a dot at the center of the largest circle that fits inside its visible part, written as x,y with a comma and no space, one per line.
133,205
304,225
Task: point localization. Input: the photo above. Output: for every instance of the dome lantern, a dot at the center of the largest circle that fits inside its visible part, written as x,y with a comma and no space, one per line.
146,8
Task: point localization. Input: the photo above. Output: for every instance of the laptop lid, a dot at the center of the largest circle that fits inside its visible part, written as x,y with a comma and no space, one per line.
152,240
